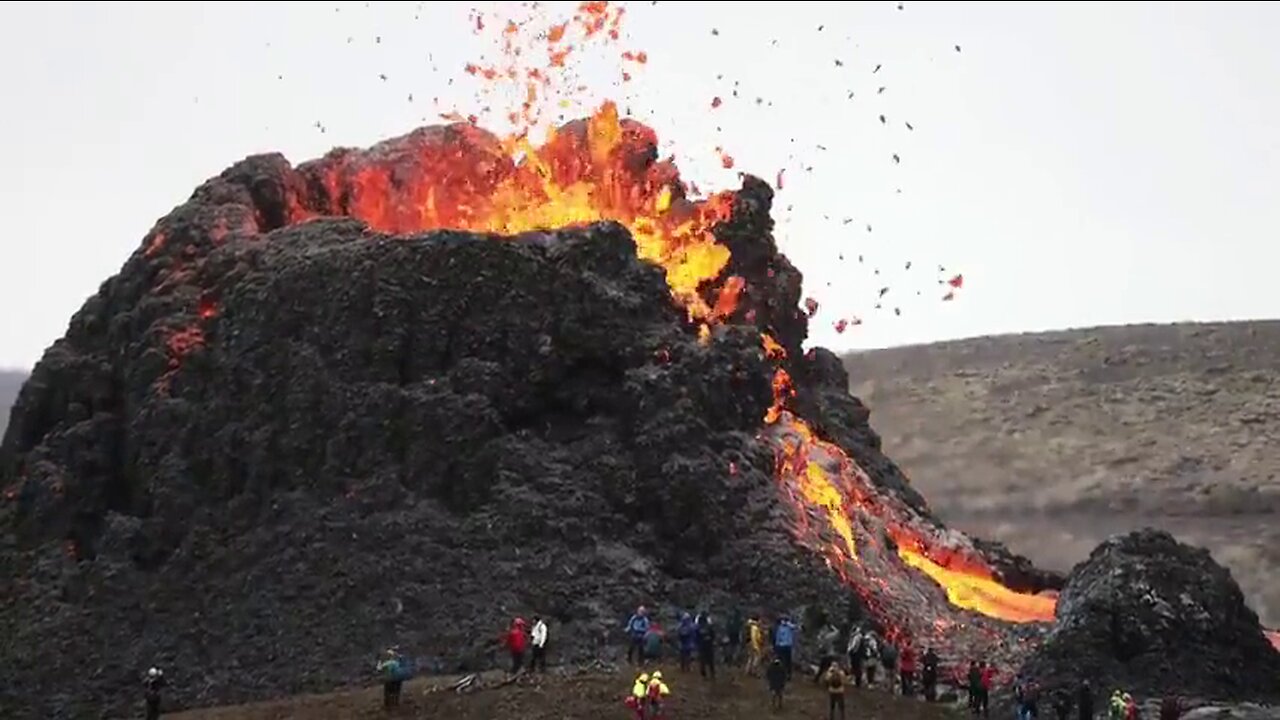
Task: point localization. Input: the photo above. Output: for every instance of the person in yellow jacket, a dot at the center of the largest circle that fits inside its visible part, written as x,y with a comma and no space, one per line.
755,646
657,695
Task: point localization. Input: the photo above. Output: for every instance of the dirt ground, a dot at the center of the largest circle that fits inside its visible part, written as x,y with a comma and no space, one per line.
1051,442
597,696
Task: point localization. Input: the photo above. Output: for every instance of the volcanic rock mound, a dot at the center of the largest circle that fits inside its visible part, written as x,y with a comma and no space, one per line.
301,424
1151,615
274,443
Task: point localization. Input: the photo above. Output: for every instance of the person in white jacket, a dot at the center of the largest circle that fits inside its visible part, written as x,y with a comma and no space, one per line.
539,641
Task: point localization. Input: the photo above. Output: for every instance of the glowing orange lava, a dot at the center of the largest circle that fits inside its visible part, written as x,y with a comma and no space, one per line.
462,178
819,475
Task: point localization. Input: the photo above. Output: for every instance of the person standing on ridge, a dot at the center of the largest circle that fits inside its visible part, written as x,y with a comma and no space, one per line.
517,644
657,695
889,661
1084,701
929,675
828,636
1115,708
733,638
687,637
776,676
755,646
652,642
870,656
391,668
636,628
835,691
854,650
907,669
639,696
984,691
538,639
706,646
152,685
1062,704
1130,708
784,641
975,687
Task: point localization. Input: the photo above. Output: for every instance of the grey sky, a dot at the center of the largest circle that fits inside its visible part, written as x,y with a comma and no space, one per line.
1080,163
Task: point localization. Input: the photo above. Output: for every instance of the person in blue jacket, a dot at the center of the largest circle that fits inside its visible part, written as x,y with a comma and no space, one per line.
784,642
636,628
687,633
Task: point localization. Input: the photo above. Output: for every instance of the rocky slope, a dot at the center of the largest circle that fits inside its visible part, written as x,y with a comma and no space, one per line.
1051,442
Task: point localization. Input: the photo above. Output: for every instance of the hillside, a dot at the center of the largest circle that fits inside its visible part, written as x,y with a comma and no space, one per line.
1050,442
10,382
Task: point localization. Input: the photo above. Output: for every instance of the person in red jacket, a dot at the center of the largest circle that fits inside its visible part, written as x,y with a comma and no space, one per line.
907,669
517,642
988,675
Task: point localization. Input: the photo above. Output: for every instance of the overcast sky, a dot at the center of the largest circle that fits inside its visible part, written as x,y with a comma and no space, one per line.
1080,163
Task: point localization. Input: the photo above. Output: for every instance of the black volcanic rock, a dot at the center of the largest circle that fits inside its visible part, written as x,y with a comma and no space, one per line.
1150,615
261,454
277,441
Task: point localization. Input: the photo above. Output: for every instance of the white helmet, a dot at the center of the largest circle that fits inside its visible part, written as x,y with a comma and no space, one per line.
153,672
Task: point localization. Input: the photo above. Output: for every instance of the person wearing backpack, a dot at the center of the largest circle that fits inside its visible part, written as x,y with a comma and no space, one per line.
870,656
637,627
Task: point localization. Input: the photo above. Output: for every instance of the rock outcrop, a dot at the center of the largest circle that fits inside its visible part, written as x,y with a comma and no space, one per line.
1150,615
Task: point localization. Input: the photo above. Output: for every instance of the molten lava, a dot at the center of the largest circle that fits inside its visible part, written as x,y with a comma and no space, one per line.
604,168
819,476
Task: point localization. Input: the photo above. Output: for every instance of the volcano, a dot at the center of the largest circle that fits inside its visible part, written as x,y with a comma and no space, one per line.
398,395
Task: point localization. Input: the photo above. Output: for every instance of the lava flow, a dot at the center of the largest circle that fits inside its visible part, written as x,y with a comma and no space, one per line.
819,475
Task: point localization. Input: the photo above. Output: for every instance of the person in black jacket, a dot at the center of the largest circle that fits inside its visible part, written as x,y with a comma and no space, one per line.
929,675
1084,701
706,646
776,676
152,684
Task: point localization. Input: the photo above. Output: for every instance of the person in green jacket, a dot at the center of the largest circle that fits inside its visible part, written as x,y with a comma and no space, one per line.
389,667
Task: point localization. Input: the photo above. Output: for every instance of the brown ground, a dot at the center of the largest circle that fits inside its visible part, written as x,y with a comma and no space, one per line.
1050,442
590,697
